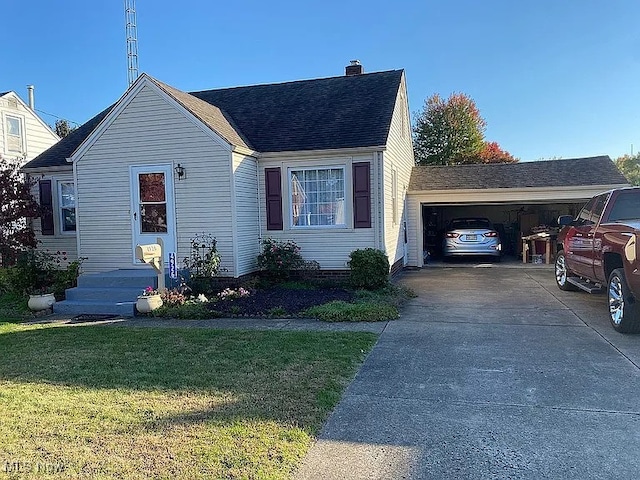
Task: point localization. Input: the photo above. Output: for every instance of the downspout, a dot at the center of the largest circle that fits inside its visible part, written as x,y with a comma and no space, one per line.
75,187
379,232
258,205
234,216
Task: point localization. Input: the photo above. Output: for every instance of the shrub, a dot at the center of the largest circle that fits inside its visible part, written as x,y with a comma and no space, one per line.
189,310
369,268
41,272
340,311
278,259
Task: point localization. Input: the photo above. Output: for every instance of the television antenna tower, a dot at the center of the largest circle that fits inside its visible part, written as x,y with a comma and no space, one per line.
132,40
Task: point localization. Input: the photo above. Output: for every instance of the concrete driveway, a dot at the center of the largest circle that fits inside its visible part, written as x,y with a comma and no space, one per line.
489,373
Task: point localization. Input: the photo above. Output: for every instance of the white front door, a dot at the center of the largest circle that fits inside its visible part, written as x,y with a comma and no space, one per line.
152,207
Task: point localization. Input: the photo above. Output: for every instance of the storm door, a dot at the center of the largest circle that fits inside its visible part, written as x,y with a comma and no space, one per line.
153,210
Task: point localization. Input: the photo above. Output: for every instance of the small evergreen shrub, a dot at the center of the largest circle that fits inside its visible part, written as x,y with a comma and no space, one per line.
369,268
278,259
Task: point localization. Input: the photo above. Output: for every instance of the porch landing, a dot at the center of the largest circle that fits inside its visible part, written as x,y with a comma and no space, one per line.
108,293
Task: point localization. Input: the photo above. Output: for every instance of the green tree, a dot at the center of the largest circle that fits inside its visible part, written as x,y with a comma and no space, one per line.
451,132
447,131
629,166
63,128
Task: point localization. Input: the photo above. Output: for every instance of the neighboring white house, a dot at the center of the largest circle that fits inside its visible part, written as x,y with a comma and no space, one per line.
325,163
23,134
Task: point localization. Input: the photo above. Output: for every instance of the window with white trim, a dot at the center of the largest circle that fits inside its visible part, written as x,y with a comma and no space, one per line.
15,142
67,205
317,197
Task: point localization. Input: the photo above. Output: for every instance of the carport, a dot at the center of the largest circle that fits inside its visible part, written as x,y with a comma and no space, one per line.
519,198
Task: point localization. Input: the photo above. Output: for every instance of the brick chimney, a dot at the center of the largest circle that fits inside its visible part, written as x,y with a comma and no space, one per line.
354,68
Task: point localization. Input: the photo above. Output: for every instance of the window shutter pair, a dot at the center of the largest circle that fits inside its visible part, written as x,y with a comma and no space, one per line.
361,196
46,207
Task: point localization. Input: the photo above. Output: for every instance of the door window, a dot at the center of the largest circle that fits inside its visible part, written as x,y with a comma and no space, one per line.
153,203
584,217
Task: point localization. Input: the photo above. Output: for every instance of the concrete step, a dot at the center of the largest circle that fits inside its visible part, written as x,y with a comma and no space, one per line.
130,278
104,294
79,307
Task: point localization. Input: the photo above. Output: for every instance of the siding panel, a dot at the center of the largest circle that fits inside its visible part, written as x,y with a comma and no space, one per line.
152,131
398,156
330,247
245,172
59,242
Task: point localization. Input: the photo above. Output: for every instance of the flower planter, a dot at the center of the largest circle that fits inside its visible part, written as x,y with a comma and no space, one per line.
148,303
41,302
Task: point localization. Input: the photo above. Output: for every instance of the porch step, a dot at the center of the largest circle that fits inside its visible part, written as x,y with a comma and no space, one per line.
585,285
109,293
79,307
135,278
103,294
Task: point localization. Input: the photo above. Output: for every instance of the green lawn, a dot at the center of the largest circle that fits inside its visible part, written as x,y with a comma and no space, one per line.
111,402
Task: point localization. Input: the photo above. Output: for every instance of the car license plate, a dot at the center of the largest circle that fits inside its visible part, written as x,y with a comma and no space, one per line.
472,237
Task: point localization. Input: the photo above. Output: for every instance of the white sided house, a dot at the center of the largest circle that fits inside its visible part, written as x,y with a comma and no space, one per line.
325,163
23,134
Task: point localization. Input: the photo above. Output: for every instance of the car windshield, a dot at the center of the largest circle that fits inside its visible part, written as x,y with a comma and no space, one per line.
461,223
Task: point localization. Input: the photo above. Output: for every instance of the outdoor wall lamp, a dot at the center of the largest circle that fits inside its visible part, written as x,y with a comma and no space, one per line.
179,171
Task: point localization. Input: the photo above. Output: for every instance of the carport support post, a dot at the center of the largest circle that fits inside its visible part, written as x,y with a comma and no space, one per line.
525,251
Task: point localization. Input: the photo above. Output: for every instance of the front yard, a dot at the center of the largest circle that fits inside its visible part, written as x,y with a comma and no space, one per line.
100,402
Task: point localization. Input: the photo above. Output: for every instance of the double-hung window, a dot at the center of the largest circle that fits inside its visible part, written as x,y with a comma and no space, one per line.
15,142
67,202
317,197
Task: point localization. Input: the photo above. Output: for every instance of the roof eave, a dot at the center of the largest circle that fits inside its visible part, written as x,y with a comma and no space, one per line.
328,151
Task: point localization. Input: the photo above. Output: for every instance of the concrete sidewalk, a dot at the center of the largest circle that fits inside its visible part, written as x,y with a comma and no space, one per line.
489,373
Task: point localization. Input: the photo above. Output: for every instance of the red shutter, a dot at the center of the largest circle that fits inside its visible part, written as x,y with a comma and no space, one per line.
361,195
273,188
46,207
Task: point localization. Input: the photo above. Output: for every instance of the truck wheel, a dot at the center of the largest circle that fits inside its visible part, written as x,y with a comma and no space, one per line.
562,273
623,309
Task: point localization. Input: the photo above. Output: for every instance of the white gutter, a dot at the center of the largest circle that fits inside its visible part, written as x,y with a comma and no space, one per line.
315,153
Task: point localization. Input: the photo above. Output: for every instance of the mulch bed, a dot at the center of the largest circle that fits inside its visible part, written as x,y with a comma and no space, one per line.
293,301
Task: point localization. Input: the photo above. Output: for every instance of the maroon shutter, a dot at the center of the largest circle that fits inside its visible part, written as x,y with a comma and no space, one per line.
46,207
361,195
274,198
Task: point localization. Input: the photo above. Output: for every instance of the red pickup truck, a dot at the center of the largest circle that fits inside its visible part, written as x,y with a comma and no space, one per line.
599,249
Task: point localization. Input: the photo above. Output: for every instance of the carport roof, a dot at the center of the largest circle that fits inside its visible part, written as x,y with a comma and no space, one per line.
570,172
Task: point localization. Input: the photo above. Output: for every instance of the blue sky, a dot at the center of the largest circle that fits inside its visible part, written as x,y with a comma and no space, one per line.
552,78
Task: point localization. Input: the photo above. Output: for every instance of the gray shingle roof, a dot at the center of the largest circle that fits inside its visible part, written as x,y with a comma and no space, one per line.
550,173
326,113
57,154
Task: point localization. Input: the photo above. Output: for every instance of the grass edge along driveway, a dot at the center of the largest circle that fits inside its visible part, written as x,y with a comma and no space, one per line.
99,402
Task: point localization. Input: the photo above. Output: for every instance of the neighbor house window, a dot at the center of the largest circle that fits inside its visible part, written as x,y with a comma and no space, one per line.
317,197
67,206
14,134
